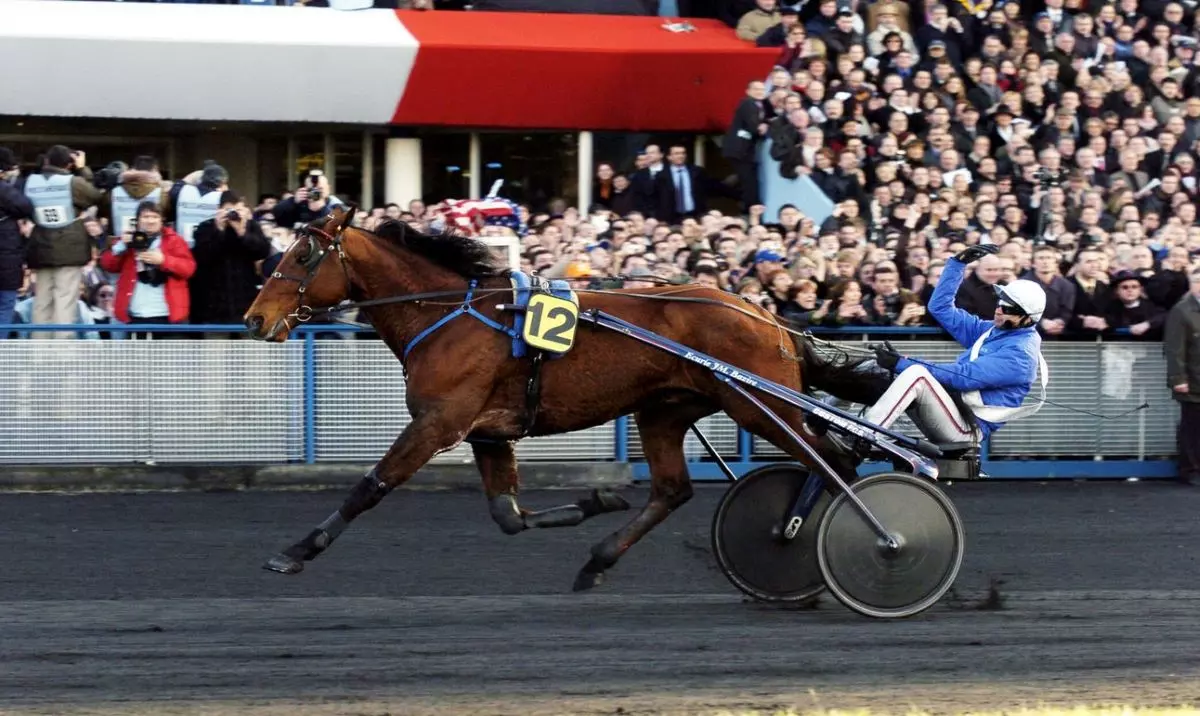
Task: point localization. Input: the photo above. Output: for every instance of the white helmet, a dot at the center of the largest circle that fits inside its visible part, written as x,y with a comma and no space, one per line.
1025,295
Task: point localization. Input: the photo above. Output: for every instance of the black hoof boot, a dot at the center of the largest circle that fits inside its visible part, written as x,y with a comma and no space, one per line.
591,575
284,564
598,503
292,559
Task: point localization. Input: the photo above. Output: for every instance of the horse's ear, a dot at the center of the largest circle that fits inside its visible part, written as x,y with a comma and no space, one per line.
347,218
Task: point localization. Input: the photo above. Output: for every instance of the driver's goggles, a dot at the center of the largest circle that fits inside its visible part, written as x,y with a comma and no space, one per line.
1009,309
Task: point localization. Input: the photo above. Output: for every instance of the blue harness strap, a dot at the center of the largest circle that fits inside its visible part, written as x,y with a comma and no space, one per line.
521,294
467,309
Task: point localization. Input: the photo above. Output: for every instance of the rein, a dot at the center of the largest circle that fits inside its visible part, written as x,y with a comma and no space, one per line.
470,295
317,255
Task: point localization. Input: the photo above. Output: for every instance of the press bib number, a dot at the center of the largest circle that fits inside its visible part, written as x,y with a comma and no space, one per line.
50,215
550,323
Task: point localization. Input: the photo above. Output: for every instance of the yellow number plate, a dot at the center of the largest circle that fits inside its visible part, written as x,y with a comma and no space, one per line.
550,323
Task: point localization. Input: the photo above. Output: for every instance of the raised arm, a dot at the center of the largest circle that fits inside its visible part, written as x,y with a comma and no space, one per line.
964,327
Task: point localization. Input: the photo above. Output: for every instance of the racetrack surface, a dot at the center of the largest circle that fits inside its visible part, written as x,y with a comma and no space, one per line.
156,604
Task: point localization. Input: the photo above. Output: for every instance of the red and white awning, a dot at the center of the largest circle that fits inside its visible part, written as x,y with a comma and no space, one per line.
472,69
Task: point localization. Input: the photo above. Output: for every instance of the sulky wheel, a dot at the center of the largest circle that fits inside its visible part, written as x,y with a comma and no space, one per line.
747,542
874,580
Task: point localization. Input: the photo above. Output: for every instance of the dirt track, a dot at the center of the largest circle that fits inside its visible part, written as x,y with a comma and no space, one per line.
155,604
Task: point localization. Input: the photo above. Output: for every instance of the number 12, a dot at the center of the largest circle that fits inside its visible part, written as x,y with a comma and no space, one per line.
554,334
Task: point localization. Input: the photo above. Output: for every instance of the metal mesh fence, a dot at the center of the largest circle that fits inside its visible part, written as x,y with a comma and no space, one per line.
185,401
176,401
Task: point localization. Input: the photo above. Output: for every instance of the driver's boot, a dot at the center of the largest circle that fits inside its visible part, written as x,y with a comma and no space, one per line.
853,447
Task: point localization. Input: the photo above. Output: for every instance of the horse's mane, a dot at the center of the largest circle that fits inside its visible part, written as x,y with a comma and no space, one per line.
463,255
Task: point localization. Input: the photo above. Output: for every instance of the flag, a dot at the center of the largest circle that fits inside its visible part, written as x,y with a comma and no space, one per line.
469,215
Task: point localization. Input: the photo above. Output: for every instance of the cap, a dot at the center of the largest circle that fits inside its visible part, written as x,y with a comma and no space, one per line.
1124,275
767,255
937,44
579,269
1004,109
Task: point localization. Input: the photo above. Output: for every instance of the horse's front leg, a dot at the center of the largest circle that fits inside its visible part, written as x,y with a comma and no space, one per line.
497,462
427,435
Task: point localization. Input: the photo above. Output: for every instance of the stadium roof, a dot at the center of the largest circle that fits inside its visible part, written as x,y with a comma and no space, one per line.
468,69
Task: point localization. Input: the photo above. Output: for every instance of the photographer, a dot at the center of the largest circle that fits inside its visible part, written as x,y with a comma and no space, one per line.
312,201
227,247
154,265
59,246
195,199
141,182
15,213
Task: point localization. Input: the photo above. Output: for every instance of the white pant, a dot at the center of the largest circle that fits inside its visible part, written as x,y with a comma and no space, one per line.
936,414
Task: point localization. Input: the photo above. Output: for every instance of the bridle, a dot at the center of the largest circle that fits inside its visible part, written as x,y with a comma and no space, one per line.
311,259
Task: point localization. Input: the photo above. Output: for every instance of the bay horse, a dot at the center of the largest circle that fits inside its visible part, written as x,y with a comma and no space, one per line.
464,385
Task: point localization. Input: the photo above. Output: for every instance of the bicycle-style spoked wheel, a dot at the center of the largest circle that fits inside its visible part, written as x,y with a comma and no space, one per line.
747,542
871,577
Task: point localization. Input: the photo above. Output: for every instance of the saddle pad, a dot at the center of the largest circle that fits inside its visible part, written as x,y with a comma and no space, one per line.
524,286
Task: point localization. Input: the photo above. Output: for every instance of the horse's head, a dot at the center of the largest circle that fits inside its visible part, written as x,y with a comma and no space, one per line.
311,274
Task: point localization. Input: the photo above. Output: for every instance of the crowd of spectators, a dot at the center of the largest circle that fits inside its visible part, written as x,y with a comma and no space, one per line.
1064,131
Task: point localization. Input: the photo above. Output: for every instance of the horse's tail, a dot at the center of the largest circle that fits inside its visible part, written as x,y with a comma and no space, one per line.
832,370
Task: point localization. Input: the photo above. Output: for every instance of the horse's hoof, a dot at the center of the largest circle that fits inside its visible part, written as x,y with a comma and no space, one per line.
586,579
611,501
284,564
599,503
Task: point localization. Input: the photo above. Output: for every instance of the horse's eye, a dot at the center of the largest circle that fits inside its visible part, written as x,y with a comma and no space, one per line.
305,251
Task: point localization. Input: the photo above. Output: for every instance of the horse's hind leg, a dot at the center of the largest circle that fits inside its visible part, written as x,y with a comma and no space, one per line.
663,428
497,463
426,436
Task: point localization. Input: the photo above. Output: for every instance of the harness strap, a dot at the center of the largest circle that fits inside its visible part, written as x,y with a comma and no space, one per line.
533,394
467,309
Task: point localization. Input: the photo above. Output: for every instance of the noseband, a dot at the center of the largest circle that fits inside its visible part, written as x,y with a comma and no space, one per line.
314,256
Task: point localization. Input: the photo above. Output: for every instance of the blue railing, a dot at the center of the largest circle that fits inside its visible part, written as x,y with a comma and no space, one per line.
746,457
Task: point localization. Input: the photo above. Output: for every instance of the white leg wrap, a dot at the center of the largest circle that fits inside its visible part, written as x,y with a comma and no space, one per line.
935,414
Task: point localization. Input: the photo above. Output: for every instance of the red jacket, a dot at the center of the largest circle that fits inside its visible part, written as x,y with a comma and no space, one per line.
178,265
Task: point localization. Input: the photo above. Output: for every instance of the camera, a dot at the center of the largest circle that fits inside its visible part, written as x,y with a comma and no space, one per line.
1046,178
152,275
109,177
232,215
148,274
314,184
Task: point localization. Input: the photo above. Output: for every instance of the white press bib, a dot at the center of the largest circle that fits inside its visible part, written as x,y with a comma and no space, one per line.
51,197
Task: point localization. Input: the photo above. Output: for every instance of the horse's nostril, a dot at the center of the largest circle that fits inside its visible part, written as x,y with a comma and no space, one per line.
254,323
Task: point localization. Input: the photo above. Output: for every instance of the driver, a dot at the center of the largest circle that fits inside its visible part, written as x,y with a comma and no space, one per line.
992,377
